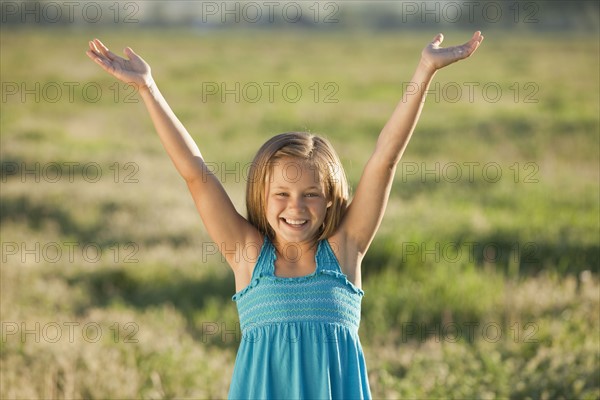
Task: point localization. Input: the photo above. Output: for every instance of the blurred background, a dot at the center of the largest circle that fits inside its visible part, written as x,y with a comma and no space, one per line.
482,281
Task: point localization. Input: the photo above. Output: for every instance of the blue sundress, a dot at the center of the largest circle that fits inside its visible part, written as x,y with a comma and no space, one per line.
299,335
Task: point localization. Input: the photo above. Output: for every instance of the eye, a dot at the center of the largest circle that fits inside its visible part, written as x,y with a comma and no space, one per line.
281,194
312,195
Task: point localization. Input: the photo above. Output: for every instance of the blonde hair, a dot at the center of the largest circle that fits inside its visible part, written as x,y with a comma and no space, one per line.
306,147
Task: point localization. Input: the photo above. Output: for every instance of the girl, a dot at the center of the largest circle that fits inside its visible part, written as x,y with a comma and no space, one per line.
297,258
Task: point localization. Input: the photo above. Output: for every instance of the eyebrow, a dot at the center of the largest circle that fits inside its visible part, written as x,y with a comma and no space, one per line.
279,187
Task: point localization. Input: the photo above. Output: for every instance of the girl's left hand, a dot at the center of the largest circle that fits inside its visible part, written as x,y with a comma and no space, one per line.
435,57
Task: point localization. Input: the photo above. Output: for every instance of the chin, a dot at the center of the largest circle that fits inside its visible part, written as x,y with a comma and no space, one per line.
297,238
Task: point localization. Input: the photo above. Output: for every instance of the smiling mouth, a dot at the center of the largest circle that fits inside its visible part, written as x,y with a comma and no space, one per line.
294,222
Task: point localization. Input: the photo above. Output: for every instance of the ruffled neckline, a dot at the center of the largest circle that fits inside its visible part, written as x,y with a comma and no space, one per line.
299,279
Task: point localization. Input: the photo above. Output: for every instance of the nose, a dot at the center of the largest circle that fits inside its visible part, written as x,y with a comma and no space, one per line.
297,203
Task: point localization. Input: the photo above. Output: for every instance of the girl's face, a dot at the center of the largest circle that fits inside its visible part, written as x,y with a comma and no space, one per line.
296,202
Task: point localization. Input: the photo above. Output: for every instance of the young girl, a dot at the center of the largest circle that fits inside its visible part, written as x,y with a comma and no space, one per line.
297,258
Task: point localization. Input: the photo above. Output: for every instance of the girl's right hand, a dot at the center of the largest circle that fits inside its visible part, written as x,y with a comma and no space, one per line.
133,70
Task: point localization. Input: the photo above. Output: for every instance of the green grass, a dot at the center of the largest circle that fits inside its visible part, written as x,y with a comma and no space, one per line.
518,256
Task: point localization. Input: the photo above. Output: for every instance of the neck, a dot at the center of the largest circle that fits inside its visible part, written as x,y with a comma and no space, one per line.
295,252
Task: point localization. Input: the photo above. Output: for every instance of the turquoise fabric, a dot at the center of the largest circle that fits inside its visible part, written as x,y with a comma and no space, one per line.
299,335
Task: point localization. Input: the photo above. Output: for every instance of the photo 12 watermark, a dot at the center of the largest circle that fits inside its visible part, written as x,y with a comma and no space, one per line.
271,92
248,252
69,171
491,332
69,252
471,92
269,12
471,251
293,333
468,171
292,171
68,332
71,92
471,12
70,12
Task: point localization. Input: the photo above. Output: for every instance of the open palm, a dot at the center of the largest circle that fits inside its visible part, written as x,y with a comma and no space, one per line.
437,57
133,70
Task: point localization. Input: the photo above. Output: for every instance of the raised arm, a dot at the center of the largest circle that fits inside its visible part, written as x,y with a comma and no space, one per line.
366,210
228,229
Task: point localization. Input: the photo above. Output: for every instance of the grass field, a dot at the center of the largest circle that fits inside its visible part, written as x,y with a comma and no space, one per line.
481,283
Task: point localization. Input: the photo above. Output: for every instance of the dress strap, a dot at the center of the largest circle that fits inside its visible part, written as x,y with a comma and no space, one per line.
266,260
326,259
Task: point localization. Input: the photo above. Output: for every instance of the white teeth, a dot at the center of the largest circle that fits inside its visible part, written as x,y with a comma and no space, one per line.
295,221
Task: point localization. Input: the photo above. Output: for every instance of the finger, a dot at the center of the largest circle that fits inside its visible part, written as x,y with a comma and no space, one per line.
471,45
477,37
99,60
130,53
109,54
95,45
438,39
92,55
476,41
96,52
95,48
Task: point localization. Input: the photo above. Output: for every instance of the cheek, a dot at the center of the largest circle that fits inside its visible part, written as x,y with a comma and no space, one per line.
270,207
321,209
273,207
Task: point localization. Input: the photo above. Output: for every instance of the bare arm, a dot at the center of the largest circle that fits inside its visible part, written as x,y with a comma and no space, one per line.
224,224
368,206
